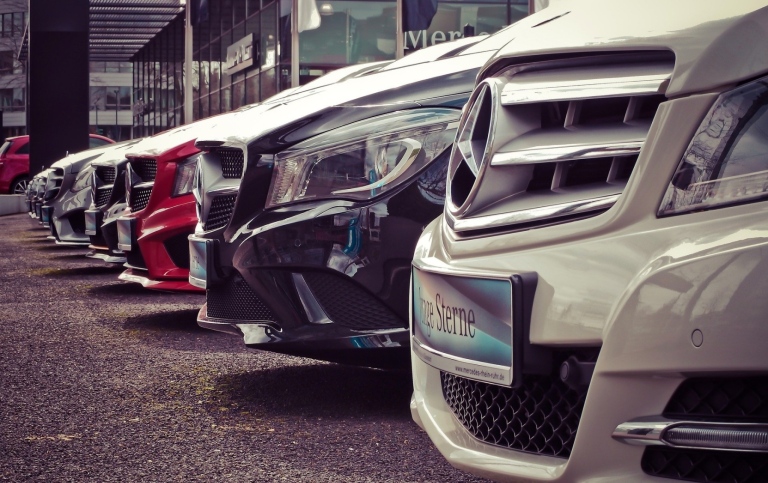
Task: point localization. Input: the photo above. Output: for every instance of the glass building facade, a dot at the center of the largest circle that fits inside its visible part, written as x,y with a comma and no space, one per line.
257,36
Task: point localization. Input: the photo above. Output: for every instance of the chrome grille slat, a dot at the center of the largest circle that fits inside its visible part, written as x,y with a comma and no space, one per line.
570,129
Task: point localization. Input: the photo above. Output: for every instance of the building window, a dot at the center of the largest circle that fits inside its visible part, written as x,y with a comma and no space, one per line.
106,98
12,24
12,99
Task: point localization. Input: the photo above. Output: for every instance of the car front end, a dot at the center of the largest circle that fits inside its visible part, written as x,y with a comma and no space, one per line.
306,251
589,305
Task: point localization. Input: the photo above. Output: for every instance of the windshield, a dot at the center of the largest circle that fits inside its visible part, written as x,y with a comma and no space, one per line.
4,147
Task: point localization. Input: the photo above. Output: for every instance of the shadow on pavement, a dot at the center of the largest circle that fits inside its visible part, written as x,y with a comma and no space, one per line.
79,272
180,320
329,391
122,288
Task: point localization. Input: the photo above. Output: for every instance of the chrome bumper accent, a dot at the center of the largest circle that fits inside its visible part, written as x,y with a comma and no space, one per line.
703,435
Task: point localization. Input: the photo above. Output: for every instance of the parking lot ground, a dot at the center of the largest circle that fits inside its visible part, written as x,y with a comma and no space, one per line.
102,380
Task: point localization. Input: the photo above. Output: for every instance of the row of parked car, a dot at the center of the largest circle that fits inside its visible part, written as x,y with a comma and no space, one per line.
560,229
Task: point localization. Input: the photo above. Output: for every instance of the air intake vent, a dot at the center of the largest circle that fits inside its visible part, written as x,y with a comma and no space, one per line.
106,174
724,399
540,417
140,197
103,195
232,161
235,300
146,169
705,466
220,212
558,141
349,305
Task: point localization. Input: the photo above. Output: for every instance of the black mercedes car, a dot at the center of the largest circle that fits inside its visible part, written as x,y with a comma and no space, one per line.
310,209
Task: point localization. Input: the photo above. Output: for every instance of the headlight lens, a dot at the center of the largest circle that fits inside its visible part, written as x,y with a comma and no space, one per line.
727,160
185,177
83,180
363,159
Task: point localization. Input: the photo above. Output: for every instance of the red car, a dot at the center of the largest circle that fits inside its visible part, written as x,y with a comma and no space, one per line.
14,162
162,215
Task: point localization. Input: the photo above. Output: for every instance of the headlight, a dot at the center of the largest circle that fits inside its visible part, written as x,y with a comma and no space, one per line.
83,180
727,160
363,159
185,177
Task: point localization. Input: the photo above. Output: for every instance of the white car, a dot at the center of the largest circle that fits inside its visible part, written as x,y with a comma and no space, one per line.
592,304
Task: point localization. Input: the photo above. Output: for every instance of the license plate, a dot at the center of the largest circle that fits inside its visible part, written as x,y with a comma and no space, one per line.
198,262
124,235
90,223
463,325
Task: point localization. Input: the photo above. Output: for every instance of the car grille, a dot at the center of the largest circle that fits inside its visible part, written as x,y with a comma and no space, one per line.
540,145
539,417
140,197
725,399
235,300
716,399
107,174
220,212
349,305
103,195
232,161
146,169
705,466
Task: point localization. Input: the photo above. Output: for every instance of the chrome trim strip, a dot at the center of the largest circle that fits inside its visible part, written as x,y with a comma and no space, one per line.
198,282
315,313
652,431
551,91
543,213
105,257
130,277
571,152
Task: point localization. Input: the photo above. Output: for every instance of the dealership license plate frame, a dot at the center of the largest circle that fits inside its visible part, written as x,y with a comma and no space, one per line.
90,222
125,234
504,369
200,257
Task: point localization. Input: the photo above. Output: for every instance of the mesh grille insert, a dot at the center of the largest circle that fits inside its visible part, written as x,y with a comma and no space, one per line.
731,399
107,174
539,417
146,169
235,300
349,305
140,198
220,212
705,466
232,161
102,196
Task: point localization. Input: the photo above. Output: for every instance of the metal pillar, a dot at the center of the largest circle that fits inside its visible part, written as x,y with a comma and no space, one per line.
188,86
58,80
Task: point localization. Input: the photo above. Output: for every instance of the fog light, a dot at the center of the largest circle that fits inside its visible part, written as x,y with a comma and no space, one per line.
742,438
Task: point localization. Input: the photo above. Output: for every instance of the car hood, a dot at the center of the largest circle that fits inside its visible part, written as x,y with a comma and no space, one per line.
271,127
76,161
713,41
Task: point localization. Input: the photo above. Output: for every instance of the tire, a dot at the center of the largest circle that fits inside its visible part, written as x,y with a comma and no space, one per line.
19,186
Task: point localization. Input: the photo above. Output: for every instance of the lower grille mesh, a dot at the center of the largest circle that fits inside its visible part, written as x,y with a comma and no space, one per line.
140,198
731,399
102,197
235,300
539,417
705,466
349,305
220,212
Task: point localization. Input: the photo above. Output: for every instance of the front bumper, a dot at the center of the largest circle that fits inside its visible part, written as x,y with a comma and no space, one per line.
650,299
387,349
156,246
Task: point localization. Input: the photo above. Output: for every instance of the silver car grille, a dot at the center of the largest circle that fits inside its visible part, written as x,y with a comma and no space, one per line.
141,174
104,181
232,161
553,141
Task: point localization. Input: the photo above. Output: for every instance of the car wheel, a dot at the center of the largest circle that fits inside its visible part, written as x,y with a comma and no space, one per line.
19,187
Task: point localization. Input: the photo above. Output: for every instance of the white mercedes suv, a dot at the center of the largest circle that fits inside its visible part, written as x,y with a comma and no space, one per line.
592,304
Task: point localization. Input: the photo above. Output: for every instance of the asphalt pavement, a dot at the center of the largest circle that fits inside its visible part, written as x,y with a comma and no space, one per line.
103,380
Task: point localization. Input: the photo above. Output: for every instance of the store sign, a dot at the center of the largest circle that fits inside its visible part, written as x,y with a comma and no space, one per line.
423,38
240,55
